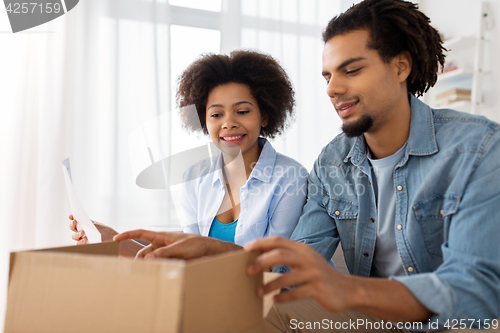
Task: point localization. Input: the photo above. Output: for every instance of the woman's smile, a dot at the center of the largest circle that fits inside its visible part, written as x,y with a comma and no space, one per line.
232,138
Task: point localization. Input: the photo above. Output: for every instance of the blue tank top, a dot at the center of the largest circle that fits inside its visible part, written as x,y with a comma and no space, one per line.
223,231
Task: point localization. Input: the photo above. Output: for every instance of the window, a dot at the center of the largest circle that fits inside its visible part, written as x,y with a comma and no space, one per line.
211,5
178,31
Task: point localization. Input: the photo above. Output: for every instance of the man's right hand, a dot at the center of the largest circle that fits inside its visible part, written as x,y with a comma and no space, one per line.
176,245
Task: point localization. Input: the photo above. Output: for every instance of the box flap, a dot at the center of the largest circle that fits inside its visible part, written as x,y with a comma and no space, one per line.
67,292
268,298
105,248
219,296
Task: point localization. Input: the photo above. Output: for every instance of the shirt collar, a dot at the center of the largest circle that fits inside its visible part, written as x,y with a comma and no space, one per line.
422,139
264,168
217,170
262,171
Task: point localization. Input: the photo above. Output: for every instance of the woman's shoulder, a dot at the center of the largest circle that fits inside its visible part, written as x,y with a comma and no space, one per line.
200,169
287,161
284,162
287,167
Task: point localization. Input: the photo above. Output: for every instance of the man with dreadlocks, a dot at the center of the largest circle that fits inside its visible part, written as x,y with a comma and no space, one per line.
410,192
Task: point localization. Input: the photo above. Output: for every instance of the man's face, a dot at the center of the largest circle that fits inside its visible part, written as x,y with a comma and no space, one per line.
363,89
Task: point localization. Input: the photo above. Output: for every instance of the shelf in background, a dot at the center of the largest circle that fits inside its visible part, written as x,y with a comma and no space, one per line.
459,43
457,74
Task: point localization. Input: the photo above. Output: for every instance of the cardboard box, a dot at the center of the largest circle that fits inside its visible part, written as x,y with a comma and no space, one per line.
89,289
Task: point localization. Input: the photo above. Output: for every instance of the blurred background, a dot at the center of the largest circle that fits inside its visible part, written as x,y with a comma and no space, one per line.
80,85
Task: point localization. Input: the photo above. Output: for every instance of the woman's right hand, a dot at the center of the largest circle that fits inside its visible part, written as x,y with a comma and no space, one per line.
107,233
176,244
78,236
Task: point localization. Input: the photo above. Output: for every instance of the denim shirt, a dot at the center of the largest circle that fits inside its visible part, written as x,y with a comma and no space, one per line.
447,211
271,200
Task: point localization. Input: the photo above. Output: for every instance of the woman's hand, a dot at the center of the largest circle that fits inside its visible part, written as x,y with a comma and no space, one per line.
176,244
107,233
128,248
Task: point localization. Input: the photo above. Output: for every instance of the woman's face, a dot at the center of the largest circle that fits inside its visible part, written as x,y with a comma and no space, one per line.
233,118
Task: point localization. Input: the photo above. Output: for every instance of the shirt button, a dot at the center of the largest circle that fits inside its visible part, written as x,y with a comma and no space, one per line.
337,213
399,227
372,219
410,269
366,254
441,212
400,188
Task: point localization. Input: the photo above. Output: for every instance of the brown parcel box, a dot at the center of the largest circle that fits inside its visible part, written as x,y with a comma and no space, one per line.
85,289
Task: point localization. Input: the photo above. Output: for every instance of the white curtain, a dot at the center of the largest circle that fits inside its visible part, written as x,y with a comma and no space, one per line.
80,85
77,87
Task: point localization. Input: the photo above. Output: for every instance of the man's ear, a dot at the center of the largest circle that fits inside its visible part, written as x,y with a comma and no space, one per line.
404,65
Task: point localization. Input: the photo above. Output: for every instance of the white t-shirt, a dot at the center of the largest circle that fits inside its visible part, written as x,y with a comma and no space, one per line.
386,260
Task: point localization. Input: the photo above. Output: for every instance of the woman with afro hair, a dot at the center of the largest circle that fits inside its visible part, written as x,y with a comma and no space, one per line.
247,190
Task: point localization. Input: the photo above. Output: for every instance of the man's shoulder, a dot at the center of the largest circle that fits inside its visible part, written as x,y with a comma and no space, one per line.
463,131
455,118
335,152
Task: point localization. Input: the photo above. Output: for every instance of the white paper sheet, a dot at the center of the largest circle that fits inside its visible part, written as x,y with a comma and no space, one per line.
79,214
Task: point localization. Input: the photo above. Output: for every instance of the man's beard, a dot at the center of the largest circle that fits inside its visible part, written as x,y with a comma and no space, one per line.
358,127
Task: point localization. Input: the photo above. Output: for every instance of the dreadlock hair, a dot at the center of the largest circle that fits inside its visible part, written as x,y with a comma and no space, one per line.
262,74
395,26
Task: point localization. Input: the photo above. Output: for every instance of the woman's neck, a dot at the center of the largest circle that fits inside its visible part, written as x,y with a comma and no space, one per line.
243,161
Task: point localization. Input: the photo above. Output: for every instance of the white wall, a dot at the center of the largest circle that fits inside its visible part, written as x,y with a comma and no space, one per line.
461,17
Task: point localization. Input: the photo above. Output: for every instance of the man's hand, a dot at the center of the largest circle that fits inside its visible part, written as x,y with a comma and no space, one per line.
381,298
316,278
176,245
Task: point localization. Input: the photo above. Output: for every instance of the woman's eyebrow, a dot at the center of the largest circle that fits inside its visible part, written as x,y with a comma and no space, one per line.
242,102
215,106
235,104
